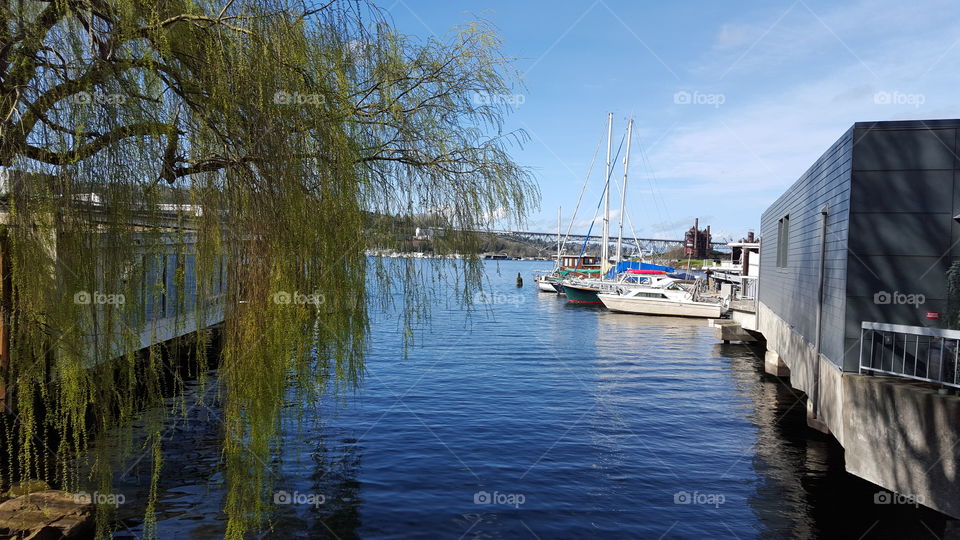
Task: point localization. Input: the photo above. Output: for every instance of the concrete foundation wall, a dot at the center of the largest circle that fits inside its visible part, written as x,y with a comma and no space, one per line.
898,434
773,365
801,358
903,436
746,319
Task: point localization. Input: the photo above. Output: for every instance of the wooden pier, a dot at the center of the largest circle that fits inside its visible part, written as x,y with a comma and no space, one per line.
162,322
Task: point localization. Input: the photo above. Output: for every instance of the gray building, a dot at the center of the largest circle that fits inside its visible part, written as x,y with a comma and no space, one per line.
890,191
853,302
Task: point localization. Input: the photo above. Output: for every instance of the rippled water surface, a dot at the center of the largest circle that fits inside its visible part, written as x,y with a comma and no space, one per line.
537,419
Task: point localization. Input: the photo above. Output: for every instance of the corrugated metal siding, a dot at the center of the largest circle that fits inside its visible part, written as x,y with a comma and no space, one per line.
791,292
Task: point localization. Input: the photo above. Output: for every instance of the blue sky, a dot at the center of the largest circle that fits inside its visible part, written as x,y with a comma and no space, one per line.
731,101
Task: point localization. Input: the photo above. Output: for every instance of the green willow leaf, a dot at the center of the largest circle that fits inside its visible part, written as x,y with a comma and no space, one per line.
248,151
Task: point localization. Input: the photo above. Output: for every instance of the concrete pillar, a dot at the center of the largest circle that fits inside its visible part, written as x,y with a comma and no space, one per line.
773,365
815,423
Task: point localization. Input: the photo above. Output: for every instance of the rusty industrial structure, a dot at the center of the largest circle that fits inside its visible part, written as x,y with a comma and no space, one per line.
697,243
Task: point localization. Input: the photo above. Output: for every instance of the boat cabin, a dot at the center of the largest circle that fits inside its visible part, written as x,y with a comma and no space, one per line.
574,261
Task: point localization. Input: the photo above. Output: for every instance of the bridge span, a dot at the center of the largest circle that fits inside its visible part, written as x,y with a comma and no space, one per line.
648,245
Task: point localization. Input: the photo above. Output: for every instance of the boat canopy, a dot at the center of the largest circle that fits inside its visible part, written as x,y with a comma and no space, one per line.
645,272
624,266
580,271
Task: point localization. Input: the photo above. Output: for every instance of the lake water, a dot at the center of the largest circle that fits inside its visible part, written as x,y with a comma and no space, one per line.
537,419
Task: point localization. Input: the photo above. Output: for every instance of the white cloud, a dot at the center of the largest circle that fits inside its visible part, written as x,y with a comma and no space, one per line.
767,134
805,30
732,36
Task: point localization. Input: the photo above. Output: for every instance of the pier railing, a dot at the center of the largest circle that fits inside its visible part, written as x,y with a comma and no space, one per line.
748,287
915,352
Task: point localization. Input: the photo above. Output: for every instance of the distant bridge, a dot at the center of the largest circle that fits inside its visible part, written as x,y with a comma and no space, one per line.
648,245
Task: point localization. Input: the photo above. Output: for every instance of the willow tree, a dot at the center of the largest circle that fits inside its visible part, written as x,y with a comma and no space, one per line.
264,145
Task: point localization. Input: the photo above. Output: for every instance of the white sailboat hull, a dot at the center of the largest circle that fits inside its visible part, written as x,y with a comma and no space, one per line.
546,286
656,306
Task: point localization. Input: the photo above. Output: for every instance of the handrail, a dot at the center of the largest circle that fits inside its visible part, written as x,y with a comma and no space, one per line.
905,329
914,352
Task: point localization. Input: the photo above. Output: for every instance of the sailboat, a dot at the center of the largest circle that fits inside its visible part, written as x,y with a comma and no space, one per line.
547,280
586,290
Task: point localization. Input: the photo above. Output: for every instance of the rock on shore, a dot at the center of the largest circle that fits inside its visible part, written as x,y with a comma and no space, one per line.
46,515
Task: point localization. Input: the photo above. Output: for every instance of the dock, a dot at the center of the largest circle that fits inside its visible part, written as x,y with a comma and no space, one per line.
168,304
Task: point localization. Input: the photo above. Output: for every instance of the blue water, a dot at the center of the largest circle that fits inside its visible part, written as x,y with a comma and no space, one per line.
531,418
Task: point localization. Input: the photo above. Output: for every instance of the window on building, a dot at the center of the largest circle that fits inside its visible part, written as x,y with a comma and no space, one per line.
783,240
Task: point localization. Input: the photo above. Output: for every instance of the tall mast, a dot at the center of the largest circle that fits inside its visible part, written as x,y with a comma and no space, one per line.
558,236
605,247
623,195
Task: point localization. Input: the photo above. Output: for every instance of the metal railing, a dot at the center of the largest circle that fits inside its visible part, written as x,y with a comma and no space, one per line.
915,352
748,287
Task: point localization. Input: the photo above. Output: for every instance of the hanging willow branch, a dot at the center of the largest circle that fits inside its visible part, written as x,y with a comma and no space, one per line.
266,142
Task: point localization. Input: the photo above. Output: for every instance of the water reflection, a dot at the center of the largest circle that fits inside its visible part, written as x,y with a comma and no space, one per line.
601,420
333,476
316,486
804,490
190,488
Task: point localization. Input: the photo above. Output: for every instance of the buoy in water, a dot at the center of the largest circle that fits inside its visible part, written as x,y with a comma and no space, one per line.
519,280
